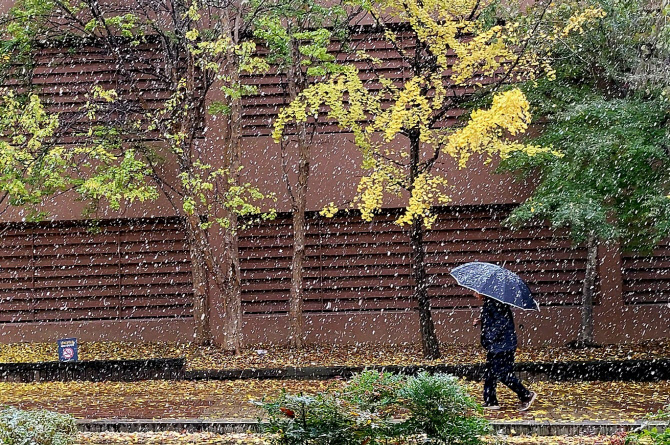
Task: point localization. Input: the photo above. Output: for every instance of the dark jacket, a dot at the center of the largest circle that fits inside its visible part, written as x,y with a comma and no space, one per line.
498,333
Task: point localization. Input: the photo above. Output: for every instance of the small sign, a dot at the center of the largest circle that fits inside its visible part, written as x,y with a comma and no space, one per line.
67,350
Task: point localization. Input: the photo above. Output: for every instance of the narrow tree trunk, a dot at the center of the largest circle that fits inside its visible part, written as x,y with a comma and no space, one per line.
201,312
296,82
299,243
585,337
233,293
429,343
202,263
296,294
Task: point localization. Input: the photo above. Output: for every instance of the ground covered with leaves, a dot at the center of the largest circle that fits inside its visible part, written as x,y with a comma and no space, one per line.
557,401
173,438
261,356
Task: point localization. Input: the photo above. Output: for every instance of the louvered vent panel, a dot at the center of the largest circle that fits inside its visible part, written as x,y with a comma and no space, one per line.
356,266
260,110
646,279
117,270
546,260
64,78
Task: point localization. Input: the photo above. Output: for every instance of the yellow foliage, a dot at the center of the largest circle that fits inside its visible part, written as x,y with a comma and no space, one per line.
192,34
329,210
450,52
411,108
578,21
426,190
370,194
510,112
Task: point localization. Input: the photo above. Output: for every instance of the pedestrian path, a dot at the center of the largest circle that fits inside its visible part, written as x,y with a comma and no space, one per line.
161,399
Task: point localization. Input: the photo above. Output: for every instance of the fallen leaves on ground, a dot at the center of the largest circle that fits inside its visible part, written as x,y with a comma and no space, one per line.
154,398
260,356
564,401
94,350
575,401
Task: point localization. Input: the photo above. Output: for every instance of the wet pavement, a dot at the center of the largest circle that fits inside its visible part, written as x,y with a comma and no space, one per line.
160,399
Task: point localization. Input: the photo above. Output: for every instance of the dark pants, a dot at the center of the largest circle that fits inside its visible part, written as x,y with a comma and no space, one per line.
500,366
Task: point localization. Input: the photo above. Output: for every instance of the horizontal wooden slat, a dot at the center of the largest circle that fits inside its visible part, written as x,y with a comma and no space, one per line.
118,270
16,316
646,278
133,271
356,265
178,289
71,303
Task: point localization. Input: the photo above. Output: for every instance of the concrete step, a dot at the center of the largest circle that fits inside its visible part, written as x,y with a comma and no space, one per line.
222,426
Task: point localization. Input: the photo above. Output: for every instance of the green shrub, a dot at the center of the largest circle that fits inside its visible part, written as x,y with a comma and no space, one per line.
440,407
40,427
373,397
652,436
373,391
379,408
319,420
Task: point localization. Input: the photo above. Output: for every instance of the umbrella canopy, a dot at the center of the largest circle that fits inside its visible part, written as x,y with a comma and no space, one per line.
495,282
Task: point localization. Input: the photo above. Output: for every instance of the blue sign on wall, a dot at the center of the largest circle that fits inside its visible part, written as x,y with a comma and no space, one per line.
67,350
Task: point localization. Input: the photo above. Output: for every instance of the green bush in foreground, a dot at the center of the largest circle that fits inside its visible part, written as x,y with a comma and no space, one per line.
40,427
652,436
441,408
379,408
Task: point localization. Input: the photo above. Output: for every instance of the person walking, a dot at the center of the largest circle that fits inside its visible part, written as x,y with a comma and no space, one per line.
498,288
498,337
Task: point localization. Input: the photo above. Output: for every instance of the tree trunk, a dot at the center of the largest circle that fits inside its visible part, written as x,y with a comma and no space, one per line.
585,337
299,242
296,294
429,343
203,265
232,293
296,82
201,309
206,271
225,277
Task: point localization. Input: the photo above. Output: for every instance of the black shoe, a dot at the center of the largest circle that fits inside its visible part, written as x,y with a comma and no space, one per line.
526,405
